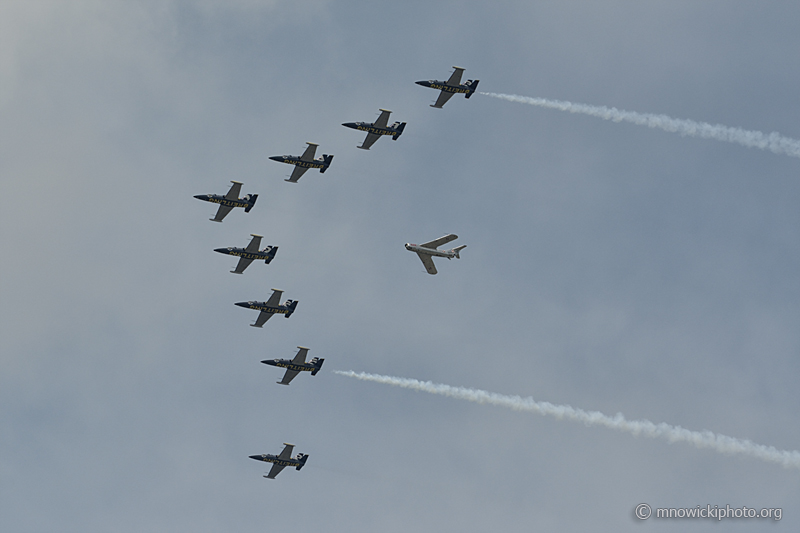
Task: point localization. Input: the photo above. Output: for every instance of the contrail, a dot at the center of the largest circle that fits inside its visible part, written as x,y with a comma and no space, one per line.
700,439
774,142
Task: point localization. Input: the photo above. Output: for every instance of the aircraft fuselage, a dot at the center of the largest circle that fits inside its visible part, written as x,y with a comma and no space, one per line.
269,458
430,251
217,199
285,309
312,367
296,161
443,86
370,128
267,253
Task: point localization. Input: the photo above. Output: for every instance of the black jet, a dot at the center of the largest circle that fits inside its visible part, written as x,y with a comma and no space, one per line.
304,162
378,128
282,460
270,307
229,201
296,365
450,87
249,254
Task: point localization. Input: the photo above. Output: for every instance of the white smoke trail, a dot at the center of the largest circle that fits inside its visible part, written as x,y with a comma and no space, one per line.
774,142
700,439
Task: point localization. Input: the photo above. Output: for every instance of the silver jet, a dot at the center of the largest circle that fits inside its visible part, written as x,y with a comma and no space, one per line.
427,250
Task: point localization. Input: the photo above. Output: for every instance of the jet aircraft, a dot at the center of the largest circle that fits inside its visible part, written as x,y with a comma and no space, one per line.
451,87
296,365
229,201
427,250
304,162
378,128
249,254
282,460
270,307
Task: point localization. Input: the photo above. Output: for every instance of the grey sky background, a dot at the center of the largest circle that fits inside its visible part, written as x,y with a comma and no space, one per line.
609,266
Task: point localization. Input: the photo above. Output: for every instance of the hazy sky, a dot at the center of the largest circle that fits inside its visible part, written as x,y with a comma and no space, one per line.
609,266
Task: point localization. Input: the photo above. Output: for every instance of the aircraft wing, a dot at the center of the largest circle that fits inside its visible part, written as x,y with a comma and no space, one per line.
440,241
275,299
427,260
443,98
254,243
308,155
297,173
300,358
287,451
262,319
369,141
222,212
383,120
243,263
236,188
288,376
274,471
455,77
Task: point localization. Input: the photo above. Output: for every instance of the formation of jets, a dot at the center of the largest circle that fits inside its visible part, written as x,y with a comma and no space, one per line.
253,252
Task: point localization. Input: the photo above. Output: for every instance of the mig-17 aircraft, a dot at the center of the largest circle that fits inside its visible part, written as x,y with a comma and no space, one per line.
249,254
304,162
376,129
229,201
296,365
427,250
282,460
450,87
270,307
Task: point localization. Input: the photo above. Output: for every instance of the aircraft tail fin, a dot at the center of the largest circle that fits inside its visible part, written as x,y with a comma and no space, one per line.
473,86
271,254
400,126
326,160
458,249
292,304
251,201
318,363
302,457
